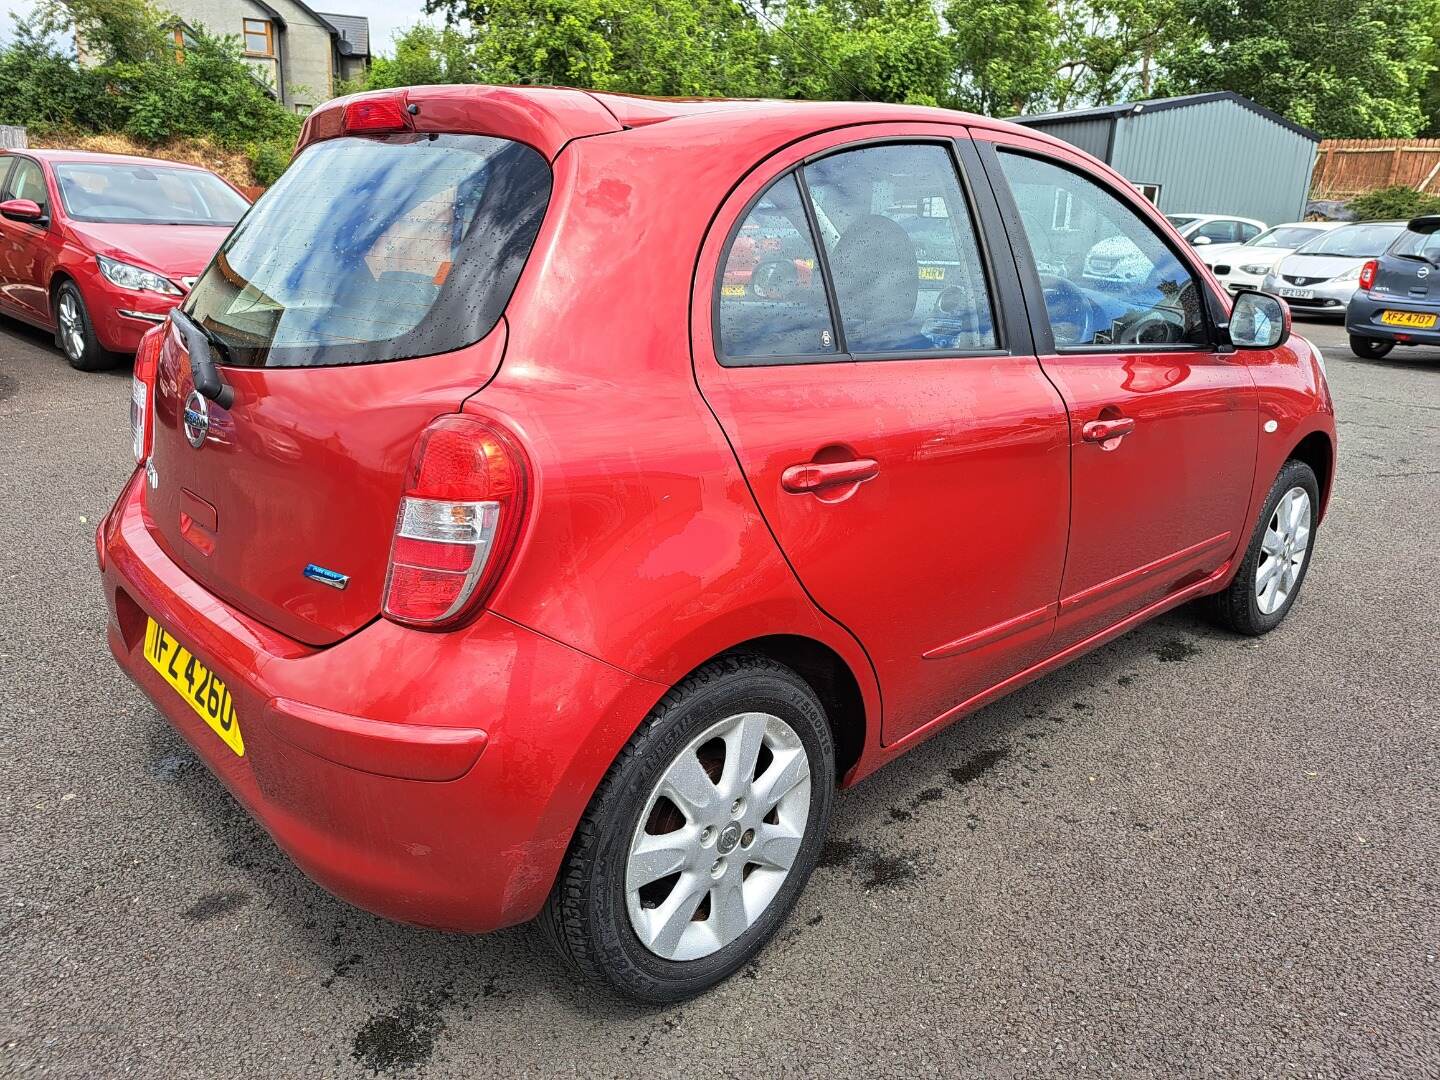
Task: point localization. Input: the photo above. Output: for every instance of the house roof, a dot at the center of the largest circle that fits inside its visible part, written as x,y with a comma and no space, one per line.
354,30
1154,105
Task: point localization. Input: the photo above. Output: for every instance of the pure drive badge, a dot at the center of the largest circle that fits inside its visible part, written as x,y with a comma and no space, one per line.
332,578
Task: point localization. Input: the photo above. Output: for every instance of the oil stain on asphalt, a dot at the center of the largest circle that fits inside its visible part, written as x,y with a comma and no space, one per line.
213,905
1175,650
403,1038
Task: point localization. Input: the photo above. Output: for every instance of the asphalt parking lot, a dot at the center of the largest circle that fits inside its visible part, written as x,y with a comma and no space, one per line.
1185,855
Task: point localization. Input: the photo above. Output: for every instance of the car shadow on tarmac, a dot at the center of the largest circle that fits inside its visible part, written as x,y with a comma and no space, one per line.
449,977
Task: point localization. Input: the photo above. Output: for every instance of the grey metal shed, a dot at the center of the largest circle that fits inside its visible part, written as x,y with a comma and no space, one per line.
1214,153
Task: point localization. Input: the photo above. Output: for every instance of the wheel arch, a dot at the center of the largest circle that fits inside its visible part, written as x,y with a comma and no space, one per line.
826,673
1317,451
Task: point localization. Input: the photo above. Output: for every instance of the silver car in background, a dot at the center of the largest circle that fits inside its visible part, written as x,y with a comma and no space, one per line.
1320,277
1244,266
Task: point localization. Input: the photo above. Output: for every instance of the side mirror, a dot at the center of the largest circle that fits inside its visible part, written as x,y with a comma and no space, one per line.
1259,321
1200,241
22,210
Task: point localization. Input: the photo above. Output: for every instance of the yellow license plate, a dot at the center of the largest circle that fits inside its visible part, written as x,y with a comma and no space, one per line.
194,682
932,273
732,290
1417,319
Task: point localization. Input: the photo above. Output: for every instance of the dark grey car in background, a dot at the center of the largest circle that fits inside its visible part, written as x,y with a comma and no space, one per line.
1398,298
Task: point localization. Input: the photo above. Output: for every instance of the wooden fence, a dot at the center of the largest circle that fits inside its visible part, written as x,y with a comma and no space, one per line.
1354,166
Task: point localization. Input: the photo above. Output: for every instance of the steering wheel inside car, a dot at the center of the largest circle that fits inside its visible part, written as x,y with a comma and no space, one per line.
1162,324
1071,314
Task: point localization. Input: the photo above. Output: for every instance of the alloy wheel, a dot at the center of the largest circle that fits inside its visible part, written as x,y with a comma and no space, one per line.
72,327
1282,550
718,836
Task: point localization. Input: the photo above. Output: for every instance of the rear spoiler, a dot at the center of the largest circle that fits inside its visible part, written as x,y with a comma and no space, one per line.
1425,224
544,118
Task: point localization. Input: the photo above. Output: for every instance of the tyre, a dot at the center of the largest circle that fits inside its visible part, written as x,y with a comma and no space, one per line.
1275,563
75,334
701,836
1369,348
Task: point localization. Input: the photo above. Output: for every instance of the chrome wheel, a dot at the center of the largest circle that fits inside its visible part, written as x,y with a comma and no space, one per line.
718,836
72,326
1282,551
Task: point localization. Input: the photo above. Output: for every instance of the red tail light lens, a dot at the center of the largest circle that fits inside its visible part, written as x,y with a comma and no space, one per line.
460,516
376,115
142,392
1367,274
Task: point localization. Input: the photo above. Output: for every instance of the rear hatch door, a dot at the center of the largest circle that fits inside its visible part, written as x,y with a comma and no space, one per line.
360,299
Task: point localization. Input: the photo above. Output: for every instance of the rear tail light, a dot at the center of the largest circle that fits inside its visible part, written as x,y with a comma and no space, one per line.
1367,274
460,516
142,392
376,115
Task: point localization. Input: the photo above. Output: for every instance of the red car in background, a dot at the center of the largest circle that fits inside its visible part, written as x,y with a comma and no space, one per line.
99,247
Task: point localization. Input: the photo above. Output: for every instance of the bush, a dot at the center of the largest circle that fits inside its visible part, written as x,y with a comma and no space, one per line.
139,88
1393,203
268,160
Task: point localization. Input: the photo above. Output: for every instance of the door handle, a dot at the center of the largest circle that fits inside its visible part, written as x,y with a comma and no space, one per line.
816,476
1104,430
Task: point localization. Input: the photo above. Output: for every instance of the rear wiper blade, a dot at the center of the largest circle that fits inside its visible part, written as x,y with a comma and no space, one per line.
1417,258
200,344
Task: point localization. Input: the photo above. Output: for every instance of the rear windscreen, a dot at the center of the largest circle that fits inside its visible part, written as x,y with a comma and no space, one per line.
372,249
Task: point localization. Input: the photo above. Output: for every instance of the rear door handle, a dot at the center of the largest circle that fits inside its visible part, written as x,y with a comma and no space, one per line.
1104,430
816,476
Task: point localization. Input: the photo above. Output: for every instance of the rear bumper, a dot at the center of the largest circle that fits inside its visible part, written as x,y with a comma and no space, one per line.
435,779
1362,319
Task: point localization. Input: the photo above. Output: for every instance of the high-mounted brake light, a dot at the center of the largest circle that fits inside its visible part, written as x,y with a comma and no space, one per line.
460,516
376,115
1367,273
142,392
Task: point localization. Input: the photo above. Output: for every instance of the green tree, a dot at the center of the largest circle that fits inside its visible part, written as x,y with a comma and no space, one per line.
665,47
110,31
1351,70
1005,54
424,55
42,86
871,50
1113,50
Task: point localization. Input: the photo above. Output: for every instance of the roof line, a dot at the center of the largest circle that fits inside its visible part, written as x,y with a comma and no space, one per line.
1132,108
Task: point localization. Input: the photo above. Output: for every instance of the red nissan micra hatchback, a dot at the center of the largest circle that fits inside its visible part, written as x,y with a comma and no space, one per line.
546,500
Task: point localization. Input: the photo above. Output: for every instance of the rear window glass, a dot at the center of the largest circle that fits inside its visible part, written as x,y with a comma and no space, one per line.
1285,236
1414,245
371,249
147,195
1353,241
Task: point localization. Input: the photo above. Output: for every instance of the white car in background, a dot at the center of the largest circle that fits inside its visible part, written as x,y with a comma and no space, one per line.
1116,261
1205,230
1244,266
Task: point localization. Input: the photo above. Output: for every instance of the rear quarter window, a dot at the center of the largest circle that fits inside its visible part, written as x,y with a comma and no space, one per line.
376,248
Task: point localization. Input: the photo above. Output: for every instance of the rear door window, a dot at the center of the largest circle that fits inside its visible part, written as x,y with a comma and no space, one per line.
902,250
772,300
371,249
